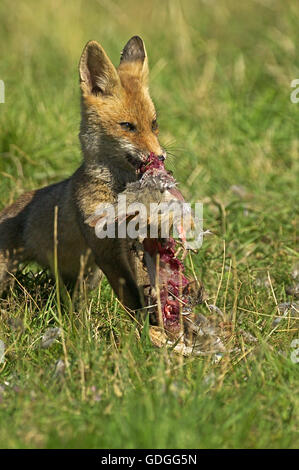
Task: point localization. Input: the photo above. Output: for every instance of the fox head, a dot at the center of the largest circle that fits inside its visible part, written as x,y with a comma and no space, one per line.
118,116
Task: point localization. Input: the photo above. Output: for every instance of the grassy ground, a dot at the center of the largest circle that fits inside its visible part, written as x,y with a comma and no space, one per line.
220,77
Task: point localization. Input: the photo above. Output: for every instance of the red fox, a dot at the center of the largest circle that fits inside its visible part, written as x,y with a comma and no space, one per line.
118,133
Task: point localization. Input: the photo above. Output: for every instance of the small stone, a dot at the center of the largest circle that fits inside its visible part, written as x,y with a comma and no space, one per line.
217,358
238,190
50,335
293,290
262,281
59,368
287,309
16,324
295,272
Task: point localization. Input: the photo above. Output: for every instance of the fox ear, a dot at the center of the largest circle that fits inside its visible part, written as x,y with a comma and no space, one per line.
97,73
133,59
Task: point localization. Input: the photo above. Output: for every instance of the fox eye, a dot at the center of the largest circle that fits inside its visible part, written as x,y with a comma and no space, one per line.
128,126
154,125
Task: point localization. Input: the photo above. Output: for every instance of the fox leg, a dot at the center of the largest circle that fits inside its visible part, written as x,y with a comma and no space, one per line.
10,257
125,286
116,260
120,272
12,248
4,269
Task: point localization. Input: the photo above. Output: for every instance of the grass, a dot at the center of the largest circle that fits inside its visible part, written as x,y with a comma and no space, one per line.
220,77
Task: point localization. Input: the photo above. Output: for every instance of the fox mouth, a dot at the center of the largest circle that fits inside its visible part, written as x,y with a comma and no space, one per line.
142,160
136,161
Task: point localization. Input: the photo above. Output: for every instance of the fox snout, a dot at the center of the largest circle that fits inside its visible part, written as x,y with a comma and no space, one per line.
153,146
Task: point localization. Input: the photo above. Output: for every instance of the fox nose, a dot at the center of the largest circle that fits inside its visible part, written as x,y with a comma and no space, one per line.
162,155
